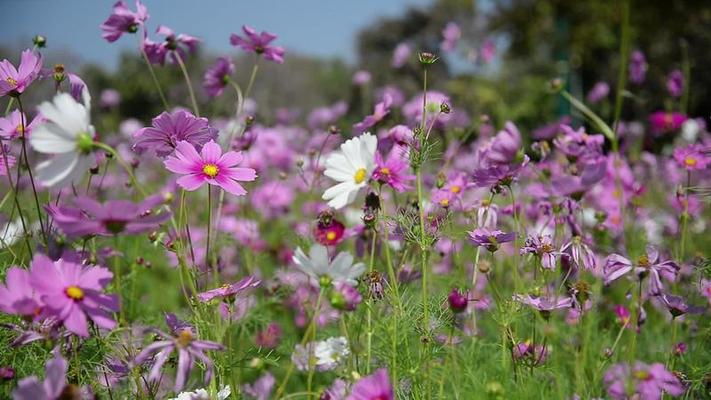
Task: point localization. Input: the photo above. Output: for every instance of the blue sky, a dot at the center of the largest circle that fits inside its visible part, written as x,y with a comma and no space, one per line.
324,28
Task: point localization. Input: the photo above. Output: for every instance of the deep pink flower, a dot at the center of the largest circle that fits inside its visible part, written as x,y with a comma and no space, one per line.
328,231
180,44
647,264
17,295
648,382
381,111
666,122
692,157
11,126
457,300
123,20
373,387
72,292
269,337
393,170
258,43
675,83
89,217
209,166
491,239
217,76
14,81
229,289
170,128
488,50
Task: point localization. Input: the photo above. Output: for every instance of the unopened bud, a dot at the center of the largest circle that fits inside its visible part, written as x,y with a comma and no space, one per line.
39,41
427,58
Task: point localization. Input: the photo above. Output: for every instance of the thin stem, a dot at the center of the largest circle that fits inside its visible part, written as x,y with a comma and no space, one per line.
369,316
13,187
209,230
155,78
29,170
193,99
123,164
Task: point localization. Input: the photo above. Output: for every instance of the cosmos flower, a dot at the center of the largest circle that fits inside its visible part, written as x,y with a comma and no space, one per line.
579,253
544,304
457,300
648,382
534,354
11,126
705,289
72,292
14,81
217,76
491,239
638,67
451,35
17,295
318,266
692,157
351,167
67,133
202,394
325,355
258,43
598,92
328,231
675,83
174,46
53,386
542,247
261,389
123,20
210,166
168,129
393,170
401,54
662,122
89,217
382,109
182,340
647,264
361,78
373,387
229,289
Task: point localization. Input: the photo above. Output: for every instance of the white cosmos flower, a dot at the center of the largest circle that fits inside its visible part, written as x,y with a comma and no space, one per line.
68,135
317,265
202,394
330,352
351,167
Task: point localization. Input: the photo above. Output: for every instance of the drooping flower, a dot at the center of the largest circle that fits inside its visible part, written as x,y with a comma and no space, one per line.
647,264
217,76
675,83
542,247
53,386
123,20
318,267
67,133
579,253
638,67
491,239
258,43
692,157
168,129
174,46
351,167
14,81
451,35
17,295
393,170
229,289
373,387
210,166
12,126
72,292
182,340
649,382
89,217
382,109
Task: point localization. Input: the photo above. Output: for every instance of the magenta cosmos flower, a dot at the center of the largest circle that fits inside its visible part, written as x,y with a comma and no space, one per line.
646,382
666,122
393,170
209,166
182,340
89,217
72,292
14,81
647,264
491,239
173,45
17,295
217,77
170,128
373,387
123,20
382,109
229,289
258,43
11,126
692,157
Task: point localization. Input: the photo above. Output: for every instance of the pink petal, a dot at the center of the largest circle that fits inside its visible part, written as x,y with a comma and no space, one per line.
191,182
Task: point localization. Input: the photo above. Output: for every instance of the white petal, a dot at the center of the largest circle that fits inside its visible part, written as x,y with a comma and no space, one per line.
63,169
49,138
64,111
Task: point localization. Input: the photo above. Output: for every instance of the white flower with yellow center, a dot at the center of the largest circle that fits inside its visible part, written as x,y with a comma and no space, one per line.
68,135
351,167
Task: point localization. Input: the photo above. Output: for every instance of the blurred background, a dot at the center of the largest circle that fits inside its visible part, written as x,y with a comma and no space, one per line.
505,53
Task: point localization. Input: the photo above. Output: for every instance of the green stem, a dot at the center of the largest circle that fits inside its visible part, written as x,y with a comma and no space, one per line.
23,140
155,79
13,188
184,70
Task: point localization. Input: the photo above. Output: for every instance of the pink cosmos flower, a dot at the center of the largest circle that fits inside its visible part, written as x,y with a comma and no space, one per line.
491,239
451,35
361,78
123,20
258,43
544,304
647,264
373,387
72,292
11,126
705,289
17,295
692,157
180,44
53,386
598,92
229,289
14,81
646,382
401,54
209,166
170,128
542,247
381,111
393,170
217,76
11,160
666,122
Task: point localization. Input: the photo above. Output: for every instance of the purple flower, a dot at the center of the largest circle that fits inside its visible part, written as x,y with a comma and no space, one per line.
261,389
345,297
109,98
638,67
457,300
229,289
705,289
675,304
122,20
55,381
72,292
258,43
210,166
542,247
180,44
393,171
217,77
361,78
401,54
322,116
451,35
269,337
579,253
648,382
675,83
530,353
89,217
373,387
11,126
381,111
544,304
598,92
647,264
488,50
183,341
666,122
692,157
14,81
272,199
17,295
504,147
170,128
491,239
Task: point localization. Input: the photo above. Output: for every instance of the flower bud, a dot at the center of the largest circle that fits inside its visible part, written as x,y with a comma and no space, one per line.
427,58
457,301
334,130
556,84
39,41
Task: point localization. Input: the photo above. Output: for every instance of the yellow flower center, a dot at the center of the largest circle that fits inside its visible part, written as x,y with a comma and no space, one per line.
689,161
444,202
455,189
11,81
210,170
643,261
185,337
642,375
359,176
74,293
385,171
20,129
331,236
546,248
